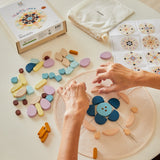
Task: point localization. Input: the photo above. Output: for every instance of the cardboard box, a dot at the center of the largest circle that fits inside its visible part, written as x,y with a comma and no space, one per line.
31,23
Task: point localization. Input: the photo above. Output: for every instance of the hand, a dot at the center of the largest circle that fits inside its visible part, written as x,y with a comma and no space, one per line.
76,100
121,77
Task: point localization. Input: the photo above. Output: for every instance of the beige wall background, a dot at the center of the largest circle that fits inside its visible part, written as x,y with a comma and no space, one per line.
155,4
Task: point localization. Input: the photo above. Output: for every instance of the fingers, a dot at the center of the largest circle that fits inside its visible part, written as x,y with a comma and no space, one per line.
60,90
96,88
100,77
112,88
82,86
101,70
72,84
107,64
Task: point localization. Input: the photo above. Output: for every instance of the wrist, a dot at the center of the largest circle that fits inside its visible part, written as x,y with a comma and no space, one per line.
144,78
72,119
138,78
75,112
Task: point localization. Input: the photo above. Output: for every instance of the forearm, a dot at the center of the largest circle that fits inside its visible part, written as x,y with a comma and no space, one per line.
147,79
70,138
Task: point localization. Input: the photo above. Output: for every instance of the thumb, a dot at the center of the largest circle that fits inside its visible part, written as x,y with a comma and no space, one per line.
108,89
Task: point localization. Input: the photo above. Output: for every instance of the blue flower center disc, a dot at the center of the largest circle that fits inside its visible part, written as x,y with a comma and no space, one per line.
29,18
104,109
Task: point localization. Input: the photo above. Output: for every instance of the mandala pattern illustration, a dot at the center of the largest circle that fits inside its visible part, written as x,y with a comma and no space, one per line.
129,43
147,28
32,19
133,59
153,57
156,70
126,29
150,42
136,68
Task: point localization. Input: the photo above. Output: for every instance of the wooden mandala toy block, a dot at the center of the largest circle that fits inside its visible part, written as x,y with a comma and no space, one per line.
31,23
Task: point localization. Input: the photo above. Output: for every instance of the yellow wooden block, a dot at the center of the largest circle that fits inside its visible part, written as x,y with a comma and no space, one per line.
39,109
40,84
38,66
22,79
16,87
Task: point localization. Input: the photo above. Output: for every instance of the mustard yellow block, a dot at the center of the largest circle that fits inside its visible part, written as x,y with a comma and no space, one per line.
22,79
40,84
39,109
16,87
38,66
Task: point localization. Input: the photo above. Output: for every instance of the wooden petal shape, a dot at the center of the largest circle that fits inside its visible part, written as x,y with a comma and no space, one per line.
124,97
110,132
88,126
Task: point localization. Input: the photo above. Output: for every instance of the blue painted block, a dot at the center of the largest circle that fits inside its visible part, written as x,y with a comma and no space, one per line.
14,80
45,75
97,100
49,98
29,67
30,90
58,78
69,70
104,109
114,102
51,75
74,64
100,119
91,110
62,71
34,60
114,116
70,57
21,98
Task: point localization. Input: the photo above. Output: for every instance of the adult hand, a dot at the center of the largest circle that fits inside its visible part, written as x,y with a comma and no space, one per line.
121,77
76,100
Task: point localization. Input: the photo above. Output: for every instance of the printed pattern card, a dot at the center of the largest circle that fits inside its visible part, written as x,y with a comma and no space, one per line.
136,45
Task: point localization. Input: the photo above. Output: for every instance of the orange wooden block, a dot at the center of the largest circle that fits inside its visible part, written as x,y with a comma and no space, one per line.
127,131
42,128
73,52
48,129
97,135
44,137
94,153
43,131
134,109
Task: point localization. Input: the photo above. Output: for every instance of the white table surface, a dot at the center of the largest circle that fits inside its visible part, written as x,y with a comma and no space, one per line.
18,135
